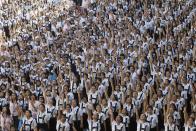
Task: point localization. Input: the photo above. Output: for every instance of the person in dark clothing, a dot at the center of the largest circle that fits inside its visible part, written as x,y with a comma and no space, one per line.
6,31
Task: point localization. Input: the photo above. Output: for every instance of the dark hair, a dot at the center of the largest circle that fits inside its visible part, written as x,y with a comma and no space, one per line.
121,118
33,95
68,105
29,112
150,107
41,99
38,83
171,117
8,113
16,99
42,105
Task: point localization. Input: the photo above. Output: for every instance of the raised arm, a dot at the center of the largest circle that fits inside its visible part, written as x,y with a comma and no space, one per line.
89,113
111,115
112,84
165,114
185,115
106,95
59,114
145,104
79,96
123,98
137,114
81,121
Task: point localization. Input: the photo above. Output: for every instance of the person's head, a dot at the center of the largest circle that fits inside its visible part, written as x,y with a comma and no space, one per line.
184,80
20,97
118,119
159,93
93,88
172,108
150,110
28,113
38,83
132,69
62,95
193,115
23,80
135,94
2,87
124,111
6,110
190,121
63,118
98,108
74,103
41,99
84,99
50,101
42,108
95,116
138,88
144,79
168,74
143,117
113,98
68,107
174,98
27,93
48,92
129,100
117,88
14,97
20,110
104,102
170,119
33,97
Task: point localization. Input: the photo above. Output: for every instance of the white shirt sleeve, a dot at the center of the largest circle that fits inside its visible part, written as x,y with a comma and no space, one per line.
47,118
67,126
57,125
123,128
34,124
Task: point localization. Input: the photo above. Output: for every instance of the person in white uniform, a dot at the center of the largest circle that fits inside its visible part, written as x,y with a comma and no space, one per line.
188,122
142,124
93,121
62,124
29,124
42,118
117,124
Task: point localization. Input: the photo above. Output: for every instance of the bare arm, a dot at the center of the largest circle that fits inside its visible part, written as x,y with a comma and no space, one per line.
59,115
137,115
145,104
185,115
106,95
111,115
89,114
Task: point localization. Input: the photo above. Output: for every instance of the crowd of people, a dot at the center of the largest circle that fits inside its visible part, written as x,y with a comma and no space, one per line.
97,65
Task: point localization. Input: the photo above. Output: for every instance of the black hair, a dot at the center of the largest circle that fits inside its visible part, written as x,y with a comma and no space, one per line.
8,113
68,105
42,105
150,107
29,112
